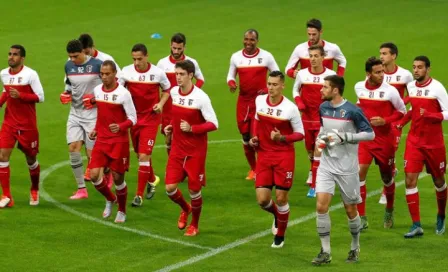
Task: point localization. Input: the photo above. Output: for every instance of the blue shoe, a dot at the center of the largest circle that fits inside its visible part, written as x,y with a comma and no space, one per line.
415,231
311,193
440,226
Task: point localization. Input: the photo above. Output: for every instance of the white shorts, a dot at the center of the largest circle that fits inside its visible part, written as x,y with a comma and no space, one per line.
348,185
78,130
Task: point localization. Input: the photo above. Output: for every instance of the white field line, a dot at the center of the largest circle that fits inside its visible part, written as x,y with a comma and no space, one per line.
250,238
47,197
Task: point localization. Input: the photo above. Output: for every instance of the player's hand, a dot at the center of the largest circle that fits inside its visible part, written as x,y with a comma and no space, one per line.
399,126
377,121
89,101
168,130
65,97
232,87
114,128
339,138
295,73
157,108
322,142
92,135
184,126
253,141
276,135
14,93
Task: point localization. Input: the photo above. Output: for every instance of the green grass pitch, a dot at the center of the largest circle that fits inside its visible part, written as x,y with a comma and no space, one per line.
63,235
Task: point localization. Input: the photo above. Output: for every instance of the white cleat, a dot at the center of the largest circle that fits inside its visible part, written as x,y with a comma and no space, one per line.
108,209
5,201
383,199
274,228
34,198
120,218
310,178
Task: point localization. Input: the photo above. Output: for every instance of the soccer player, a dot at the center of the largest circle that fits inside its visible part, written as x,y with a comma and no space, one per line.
90,50
425,143
21,91
307,95
399,78
252,65
116,114
277,126
343,127
82,76
300,53
192,118
167,64
143,80
382,105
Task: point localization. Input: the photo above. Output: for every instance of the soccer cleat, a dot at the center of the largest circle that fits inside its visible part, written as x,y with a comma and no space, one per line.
311,193
383,199
150,190
6,202
156,181
87,175
364,223
191,231
108,209
388,219
322,258
183,218
120,218
279,241
80,194
137,202
415,231
353,256
34,198
440,226
250,175
274,227
309,181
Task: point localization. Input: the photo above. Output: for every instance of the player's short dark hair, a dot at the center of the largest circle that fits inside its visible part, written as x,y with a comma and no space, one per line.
74,46
22,51
425,59
252,30
186,65
372,61
86,40
392,47
277,74
336,82
111,64
179,38
314,23
139,47
317,47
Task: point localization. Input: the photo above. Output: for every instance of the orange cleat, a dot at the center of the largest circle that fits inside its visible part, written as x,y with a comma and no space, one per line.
34,198
183,218
251,175
192,231
87,175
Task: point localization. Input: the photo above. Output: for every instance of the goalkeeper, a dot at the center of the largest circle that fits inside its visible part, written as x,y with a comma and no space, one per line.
343,125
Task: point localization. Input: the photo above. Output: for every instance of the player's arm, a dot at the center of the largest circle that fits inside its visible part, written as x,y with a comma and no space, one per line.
66,96
364,131
400,108
231,76
130,111
406,97
297,127
211,122
200,80
3,97
341,60
293,63
296,94
254,130
272,66
38,91
166,86
437,117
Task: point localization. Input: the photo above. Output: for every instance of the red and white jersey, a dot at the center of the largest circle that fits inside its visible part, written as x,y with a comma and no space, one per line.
196,109
284,116
114,107
432,97
103,57
307,86
399,79
382,101
144,87
20,113
301,56
252,71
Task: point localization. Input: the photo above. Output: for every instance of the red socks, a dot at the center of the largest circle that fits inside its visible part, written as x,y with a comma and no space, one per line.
413,201
362,205
250,156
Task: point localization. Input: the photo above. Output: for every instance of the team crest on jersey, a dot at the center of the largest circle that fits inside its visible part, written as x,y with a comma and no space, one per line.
381,94
89,68
19,80
342,112
398,78
260,60
279,112
190,102
151,77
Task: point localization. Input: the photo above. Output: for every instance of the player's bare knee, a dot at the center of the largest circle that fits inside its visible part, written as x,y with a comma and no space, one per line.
170,188
351,210
439,181
411,180
263,201
75,147
321,208
30,160
143,157
281,197
94,174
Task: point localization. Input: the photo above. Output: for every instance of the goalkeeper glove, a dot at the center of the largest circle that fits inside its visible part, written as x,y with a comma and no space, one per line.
65,97
89,101
339,138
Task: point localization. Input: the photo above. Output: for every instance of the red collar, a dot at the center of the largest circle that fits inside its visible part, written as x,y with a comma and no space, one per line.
253,55
109,91
147,69
172,60
273,105
424,84
189,92
370,87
